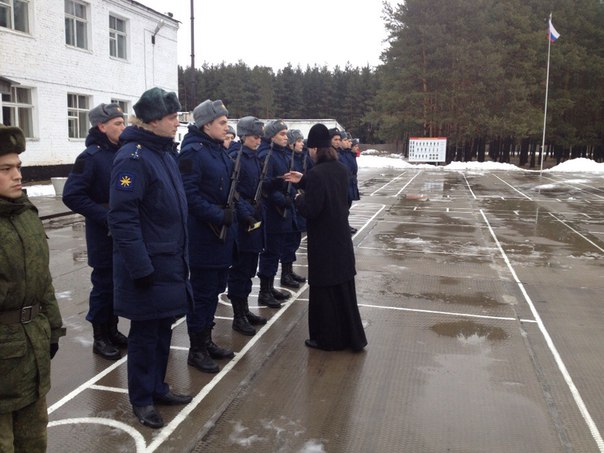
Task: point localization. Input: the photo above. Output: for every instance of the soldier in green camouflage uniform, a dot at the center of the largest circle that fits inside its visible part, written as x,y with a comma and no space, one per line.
30,322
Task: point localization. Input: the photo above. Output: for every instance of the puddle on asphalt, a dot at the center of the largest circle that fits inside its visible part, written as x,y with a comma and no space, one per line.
476,299
466,329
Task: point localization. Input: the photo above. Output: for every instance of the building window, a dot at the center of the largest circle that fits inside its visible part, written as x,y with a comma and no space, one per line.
117,37
76,24
77,115
18,110
14,14
124,106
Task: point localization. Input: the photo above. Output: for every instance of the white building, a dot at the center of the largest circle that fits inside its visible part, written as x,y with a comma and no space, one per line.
60,58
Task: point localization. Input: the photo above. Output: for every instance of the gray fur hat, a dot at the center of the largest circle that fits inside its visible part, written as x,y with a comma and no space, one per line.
103,113
250,125
231,131
155,104
293,135
273,128
208,111
12,140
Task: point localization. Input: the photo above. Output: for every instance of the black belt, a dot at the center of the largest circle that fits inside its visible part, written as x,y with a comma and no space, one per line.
21,315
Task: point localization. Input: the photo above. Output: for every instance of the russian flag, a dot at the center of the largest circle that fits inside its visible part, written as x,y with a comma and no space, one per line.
553,34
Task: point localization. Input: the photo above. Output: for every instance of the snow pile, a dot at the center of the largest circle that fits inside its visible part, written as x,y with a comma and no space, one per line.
580,164
40,190
481,166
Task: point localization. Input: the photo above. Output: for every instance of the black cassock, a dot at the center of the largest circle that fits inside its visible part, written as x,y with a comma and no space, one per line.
334,321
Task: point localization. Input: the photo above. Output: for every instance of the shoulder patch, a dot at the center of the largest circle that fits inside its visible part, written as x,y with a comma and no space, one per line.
125,181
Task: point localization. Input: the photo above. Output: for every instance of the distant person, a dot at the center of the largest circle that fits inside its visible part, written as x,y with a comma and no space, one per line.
278,208
206,171
334,321
300,163
148,223
356,147
30,321
229,143
87,193
250,236
342,144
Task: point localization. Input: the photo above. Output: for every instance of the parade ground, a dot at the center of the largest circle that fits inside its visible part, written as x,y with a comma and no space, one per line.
481,293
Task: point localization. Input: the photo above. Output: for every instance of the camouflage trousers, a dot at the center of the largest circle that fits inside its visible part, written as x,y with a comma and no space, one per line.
24,431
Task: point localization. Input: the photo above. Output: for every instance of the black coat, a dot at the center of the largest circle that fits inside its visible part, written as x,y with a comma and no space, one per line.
324,203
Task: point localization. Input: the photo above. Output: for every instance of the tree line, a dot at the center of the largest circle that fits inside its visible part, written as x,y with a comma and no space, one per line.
473,71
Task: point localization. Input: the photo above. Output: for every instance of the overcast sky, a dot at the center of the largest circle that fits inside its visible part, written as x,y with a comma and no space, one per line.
273,33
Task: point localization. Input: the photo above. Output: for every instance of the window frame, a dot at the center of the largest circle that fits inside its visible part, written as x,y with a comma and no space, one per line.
115,35
124,105
18,108
11,11
72,20
78,115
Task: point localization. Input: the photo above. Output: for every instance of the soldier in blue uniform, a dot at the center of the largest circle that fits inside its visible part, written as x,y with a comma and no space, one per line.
339,140
301,162
148,223
206,171
250,236
278,208
87,193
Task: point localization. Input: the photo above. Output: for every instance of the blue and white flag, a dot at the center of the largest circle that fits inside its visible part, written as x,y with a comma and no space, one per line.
553,34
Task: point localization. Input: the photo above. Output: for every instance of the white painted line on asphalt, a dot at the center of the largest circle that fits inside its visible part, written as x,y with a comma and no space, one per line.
139,440
575,231
387,184
468,184
105,388
448,313
405,186
550,343
511,186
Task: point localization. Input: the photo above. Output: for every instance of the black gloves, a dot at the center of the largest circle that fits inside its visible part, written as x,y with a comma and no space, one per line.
144,282
54,347
228,216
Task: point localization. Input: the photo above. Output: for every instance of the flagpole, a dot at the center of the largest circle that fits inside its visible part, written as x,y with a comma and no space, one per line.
549,46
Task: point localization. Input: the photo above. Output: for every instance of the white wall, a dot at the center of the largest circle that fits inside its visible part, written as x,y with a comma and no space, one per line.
41,60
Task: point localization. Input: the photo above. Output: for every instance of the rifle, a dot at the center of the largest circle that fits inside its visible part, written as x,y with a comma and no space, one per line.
232,195
288,186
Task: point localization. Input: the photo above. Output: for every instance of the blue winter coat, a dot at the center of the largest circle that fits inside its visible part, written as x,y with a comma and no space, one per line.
274,189
87,192
348,158
206,172
249,177
147,218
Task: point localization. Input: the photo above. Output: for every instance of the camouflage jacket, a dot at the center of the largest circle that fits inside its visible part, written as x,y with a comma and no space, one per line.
25,280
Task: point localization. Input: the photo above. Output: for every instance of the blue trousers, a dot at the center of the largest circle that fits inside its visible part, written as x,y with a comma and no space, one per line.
292,243
241,274
207,285
100,307
148,351
269,258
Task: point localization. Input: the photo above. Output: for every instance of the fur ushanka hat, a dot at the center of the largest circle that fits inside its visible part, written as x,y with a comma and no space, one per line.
12,140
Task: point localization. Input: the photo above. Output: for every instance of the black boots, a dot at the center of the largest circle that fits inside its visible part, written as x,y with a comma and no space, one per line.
289,277
203,350
198,353
240,322
266,296
115,336
102,345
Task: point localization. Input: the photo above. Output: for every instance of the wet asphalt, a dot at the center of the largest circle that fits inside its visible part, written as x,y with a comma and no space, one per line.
481,295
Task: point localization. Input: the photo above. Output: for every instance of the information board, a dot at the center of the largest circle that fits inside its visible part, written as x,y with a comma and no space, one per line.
427,149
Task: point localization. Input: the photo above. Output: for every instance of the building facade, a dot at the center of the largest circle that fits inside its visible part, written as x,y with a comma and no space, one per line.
60,58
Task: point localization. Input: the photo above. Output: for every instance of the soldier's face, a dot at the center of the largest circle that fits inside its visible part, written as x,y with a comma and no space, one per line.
336,141
113,129
252,141
166,127
217,129
10,176
280,138
227,140
299,145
